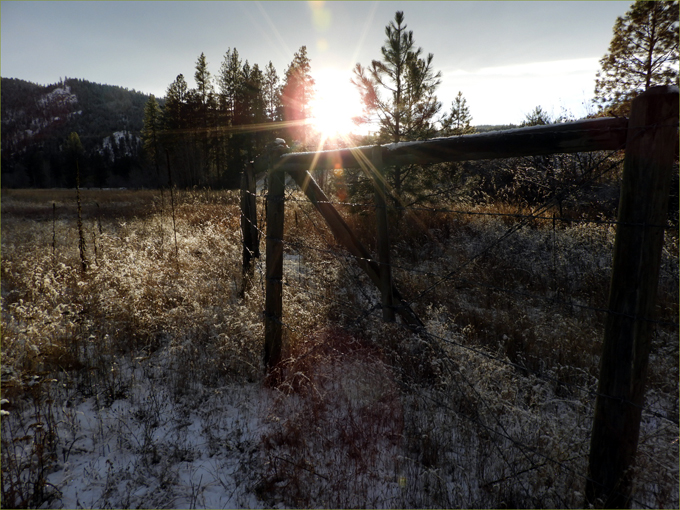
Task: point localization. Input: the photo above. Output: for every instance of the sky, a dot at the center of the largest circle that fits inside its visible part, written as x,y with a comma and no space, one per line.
505,57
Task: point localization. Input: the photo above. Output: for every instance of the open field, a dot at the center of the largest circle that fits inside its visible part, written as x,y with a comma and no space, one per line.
139,383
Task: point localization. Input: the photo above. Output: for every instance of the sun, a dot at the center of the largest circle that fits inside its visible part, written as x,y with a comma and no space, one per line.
335,103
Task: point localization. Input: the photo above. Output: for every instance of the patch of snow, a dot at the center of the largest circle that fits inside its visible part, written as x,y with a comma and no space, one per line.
153,450
60,96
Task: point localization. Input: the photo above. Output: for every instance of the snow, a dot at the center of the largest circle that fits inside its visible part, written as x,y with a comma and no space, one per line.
121,138
60,95
152,449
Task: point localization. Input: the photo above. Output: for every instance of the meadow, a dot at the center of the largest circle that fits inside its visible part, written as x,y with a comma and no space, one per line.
139,382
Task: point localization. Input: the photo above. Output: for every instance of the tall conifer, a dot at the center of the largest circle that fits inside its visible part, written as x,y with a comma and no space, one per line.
642,53
457,122
296,96
398,92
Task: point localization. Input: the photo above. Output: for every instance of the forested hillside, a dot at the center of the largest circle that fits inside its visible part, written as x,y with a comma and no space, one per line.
36,121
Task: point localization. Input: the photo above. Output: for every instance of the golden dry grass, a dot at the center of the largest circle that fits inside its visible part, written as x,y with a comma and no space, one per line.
368,414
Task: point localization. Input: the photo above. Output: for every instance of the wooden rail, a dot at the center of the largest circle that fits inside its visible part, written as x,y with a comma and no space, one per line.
582,136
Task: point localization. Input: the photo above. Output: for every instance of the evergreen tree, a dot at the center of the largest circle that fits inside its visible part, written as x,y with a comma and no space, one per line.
399,90
296,96
272,93
537,117
643,53
242,113
176,139
399,93
175,105
257,106
204,84
204,96
151,133
229,80
457,122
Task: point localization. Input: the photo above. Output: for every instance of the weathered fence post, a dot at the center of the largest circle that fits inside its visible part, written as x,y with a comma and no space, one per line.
274,272
251,244
650,151
383,236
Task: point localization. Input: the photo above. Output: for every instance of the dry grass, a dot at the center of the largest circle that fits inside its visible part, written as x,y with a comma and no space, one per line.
368,415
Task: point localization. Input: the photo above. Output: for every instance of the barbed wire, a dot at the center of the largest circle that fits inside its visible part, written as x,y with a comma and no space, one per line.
365,312
368,311
465,281
587,177
468,212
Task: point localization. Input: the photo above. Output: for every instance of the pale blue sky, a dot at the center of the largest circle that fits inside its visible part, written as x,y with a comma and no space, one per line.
506,57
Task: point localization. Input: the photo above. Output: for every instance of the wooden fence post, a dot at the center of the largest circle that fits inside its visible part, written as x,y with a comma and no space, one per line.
251,244
274,273
383,236
650,151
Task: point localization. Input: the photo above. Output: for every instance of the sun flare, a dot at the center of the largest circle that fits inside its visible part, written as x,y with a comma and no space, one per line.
335,104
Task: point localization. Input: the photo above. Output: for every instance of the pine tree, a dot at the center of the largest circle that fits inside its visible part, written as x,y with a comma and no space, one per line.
229,80
399,93
257,106
203,79
272,93
296,96
399,90
457,122
175,105
643,53
176,139
204,96
537,117
151,133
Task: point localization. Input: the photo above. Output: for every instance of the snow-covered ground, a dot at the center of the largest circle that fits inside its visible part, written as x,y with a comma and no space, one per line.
147,448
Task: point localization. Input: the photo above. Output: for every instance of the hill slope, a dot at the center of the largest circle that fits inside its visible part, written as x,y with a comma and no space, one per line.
36,120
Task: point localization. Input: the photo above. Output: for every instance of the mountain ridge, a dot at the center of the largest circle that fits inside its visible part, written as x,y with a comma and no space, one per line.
37,119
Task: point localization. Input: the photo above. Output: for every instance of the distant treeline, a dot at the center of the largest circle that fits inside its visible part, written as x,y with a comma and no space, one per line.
198,136
205,135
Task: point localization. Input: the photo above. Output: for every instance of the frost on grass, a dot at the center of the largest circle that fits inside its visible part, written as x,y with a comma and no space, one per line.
140,383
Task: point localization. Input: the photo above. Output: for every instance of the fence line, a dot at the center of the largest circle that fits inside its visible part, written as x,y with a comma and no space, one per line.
462,212
648,136
522,368
451,276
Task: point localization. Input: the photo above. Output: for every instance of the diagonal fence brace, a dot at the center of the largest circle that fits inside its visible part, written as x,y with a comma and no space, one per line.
344,234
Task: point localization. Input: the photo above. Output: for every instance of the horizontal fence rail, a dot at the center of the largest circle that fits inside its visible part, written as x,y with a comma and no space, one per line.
582,136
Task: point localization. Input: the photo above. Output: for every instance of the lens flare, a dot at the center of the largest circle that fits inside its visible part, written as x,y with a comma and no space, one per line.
336,103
